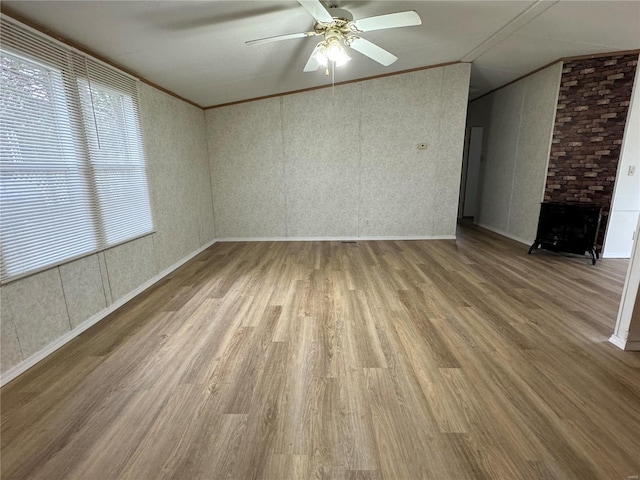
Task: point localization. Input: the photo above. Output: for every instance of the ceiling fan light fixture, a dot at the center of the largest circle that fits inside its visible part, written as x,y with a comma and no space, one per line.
332,50
340,32
345,59
321,58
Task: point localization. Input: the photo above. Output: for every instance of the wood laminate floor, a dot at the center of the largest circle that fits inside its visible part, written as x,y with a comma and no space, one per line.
442,360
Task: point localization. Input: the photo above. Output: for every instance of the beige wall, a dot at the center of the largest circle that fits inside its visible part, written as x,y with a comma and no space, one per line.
343,162
518,121
39,309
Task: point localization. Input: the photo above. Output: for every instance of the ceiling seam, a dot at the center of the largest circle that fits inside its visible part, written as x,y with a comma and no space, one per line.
504,32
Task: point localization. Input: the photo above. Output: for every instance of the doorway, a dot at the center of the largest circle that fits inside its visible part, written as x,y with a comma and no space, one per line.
470,179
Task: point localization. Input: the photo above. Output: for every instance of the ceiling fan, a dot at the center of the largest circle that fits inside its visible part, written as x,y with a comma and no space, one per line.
340,31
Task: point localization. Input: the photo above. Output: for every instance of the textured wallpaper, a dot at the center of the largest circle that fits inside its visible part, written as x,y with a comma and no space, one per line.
518,121
540,93
343,162
245,149
453,115
180,186
39,309
322,182
498,165
34,306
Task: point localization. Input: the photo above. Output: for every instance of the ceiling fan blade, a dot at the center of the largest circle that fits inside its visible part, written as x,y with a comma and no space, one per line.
391,20
317,10
313,64
277,38
373,51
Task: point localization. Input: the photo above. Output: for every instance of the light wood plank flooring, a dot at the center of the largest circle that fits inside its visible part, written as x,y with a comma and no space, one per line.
442,360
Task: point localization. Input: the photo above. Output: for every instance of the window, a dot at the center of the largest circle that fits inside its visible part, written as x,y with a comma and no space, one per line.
73,176
117,162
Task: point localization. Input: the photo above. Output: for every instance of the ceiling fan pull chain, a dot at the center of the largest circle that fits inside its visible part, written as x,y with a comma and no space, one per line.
333,83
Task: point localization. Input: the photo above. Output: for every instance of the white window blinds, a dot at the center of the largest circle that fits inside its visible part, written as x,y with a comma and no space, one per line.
73,177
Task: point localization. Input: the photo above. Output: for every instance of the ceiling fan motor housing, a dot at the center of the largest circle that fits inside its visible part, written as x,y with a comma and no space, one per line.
342,22
341,14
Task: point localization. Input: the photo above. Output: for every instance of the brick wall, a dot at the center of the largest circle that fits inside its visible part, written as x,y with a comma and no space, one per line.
590,118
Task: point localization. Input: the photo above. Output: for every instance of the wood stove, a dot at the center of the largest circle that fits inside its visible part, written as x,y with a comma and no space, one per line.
568,227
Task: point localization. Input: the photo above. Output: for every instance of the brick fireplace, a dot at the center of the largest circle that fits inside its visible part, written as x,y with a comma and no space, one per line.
590,118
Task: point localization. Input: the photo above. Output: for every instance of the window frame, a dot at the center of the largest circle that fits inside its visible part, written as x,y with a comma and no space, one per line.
75,129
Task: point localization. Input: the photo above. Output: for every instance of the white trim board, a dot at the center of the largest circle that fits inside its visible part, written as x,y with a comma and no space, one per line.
622,344
25,365
617,341
333,239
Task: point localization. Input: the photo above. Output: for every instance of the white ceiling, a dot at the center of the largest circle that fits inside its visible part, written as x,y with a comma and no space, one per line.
197,49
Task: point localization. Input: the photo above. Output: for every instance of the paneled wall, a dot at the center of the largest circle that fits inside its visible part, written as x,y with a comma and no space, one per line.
518,121
179,169
342,162
40,309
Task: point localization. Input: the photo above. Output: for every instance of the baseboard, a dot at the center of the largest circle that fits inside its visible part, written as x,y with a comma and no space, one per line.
618,342
629,346
23,366
333,239
505,234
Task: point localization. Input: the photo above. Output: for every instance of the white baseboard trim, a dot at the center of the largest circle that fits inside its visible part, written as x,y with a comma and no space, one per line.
618,342
26,364
505,234
333,239
629,346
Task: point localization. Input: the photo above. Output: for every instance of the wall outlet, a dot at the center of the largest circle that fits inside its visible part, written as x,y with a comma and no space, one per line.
422,146
632,170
